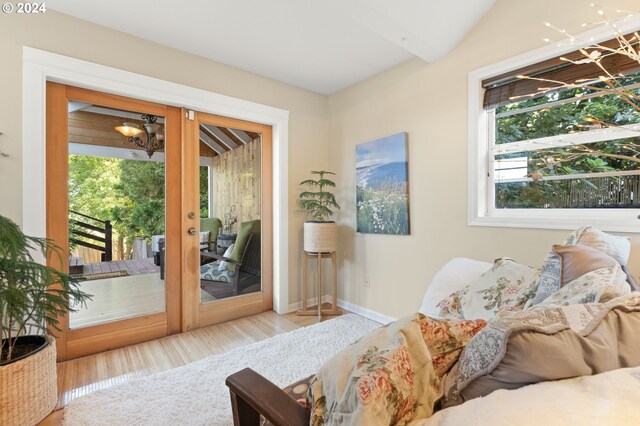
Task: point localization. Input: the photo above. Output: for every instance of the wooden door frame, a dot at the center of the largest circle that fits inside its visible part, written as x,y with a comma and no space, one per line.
99,338
194,313
39,67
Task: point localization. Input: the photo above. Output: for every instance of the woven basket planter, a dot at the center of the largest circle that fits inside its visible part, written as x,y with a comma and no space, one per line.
29,389
320,237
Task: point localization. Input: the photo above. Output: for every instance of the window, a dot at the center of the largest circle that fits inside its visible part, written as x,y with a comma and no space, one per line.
555,152
554,158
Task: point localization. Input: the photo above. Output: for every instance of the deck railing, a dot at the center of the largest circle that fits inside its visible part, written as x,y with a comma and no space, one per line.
100,239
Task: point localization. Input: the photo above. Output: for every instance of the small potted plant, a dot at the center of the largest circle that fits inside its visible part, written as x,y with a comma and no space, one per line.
32,298
320,234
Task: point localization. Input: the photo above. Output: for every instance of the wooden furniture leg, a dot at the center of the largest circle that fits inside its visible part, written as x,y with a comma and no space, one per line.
304,281
319,285
334,265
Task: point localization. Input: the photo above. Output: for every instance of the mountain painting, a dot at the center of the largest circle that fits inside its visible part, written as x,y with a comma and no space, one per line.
382,186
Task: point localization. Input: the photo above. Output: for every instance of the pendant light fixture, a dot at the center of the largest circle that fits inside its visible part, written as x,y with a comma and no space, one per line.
154,140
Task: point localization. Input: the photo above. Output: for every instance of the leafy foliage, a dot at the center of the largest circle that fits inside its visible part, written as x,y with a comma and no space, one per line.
204,191
129,193
32,295
142,186
318,203
383,210
579,115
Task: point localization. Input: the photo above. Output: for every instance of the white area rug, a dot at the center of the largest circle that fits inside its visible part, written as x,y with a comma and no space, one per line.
195,394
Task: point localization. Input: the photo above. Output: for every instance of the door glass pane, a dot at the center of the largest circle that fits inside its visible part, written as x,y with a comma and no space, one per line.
230,227
116,213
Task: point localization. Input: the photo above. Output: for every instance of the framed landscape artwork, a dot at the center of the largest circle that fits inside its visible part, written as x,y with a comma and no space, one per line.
382,186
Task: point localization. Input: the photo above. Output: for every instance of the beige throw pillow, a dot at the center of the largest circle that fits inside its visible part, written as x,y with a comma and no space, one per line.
578,259
617,247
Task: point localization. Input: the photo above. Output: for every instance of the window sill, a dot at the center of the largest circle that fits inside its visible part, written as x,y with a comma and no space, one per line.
608,220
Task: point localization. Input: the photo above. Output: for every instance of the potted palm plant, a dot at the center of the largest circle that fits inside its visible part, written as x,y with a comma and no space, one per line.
32,298
320,234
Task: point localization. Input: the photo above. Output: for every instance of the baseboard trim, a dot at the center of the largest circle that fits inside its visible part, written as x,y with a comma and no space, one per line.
365,312
352,307
310,302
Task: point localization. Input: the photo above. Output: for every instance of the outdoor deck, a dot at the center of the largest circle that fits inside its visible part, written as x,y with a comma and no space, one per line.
131,267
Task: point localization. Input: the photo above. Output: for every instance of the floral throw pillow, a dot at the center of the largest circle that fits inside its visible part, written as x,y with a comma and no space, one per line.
449,307
507,287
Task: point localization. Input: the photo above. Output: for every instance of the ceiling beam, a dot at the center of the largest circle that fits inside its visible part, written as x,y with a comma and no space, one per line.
220,135
253,135
122,153
240,135
211,143
231,136
117,113
76,106
395,22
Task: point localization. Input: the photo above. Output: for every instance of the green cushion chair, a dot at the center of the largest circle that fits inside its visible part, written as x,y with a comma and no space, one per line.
246,229
245,256
213,225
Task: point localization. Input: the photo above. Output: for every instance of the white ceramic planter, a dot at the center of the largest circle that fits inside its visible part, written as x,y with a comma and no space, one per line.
320,237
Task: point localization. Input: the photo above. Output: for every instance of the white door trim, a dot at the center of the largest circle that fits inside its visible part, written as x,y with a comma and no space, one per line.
40,66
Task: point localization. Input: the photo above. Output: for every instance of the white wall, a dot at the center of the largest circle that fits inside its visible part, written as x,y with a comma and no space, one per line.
429,101
69,36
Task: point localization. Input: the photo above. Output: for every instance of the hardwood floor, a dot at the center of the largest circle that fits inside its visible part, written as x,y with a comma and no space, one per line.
81,376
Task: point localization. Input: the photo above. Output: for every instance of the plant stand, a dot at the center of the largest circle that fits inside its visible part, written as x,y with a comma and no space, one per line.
334,305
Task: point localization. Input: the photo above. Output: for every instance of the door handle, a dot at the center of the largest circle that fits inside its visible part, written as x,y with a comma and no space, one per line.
192,231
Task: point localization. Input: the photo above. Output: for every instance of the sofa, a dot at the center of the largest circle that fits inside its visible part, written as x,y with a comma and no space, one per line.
491,341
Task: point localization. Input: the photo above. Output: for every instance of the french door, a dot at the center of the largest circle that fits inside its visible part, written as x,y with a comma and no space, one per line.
129,219
235,189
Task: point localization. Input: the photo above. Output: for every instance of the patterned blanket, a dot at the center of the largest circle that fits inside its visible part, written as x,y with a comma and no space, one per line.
391,376
486,350
400,373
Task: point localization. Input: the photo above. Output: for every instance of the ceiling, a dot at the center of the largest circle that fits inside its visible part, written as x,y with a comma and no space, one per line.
95,125
322,45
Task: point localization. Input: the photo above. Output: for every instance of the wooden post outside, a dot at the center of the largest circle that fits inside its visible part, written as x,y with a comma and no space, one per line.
108,241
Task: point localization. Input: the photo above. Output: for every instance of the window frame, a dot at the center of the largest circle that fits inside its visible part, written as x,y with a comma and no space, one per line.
481,197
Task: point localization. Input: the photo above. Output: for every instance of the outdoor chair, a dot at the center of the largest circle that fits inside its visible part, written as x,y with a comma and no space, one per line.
211,225
243,266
